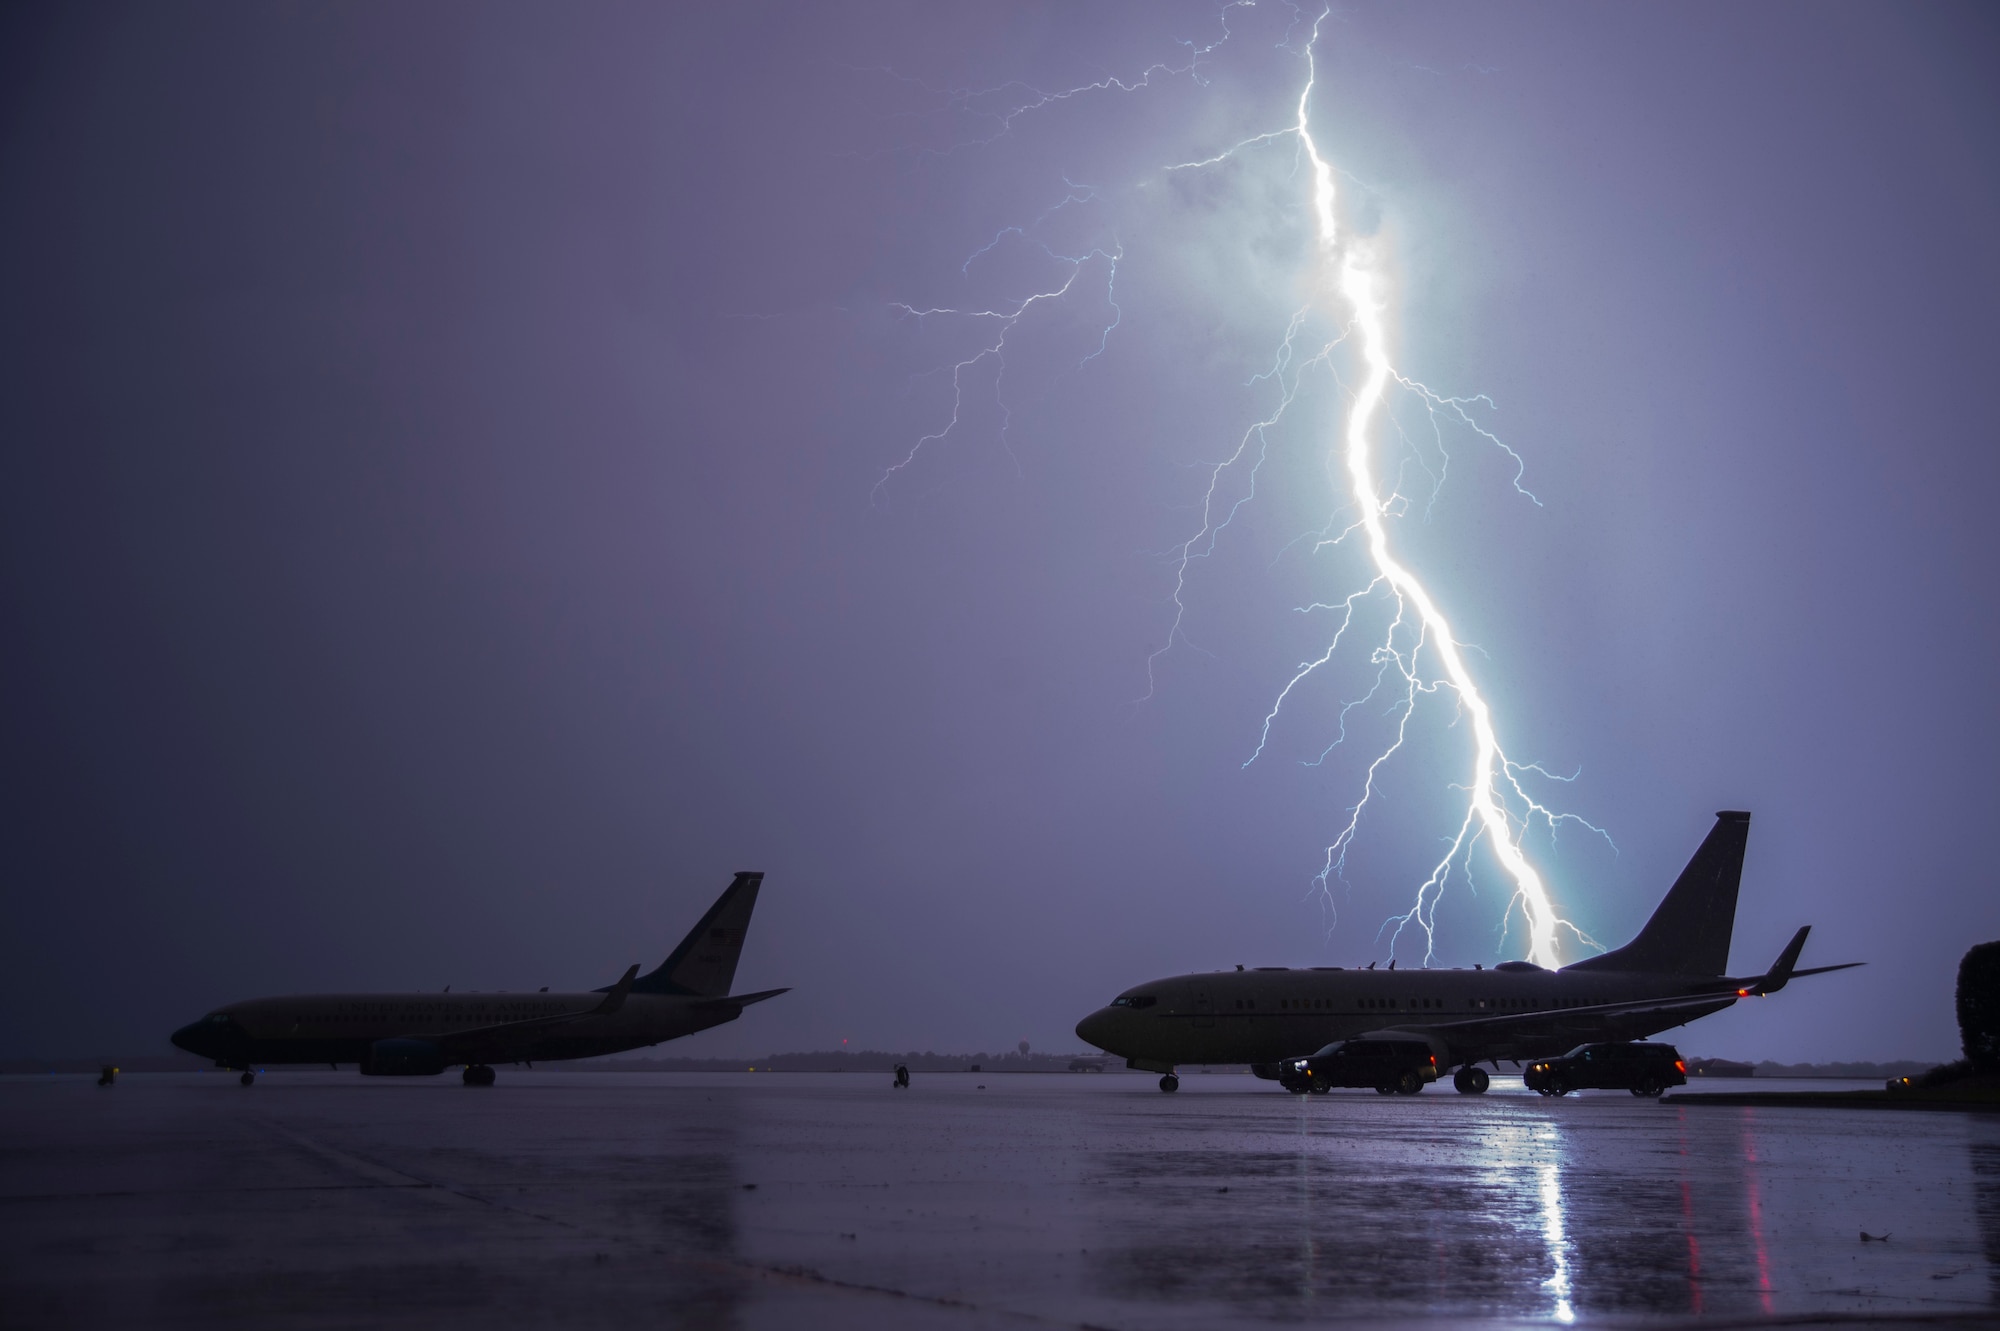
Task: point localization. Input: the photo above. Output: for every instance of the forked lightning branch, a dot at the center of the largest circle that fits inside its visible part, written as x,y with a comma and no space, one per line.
1418,656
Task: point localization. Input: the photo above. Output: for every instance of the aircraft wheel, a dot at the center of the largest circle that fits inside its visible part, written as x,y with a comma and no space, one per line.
1470,1081
248,1079
1170,1082
1409,1084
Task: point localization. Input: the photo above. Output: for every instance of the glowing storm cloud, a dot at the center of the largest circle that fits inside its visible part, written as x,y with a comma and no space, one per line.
1419,647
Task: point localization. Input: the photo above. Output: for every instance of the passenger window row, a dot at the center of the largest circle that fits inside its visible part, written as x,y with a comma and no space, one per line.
1393,1005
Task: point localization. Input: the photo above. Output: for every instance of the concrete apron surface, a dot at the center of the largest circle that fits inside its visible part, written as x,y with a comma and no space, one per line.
582,1199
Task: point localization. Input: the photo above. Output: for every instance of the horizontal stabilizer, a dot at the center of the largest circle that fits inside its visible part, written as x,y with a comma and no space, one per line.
741,1001
745,1000
1823,970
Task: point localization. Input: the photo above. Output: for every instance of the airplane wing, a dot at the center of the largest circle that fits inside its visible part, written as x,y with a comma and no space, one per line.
486,1037
488,1043
1559,1022
1553,1025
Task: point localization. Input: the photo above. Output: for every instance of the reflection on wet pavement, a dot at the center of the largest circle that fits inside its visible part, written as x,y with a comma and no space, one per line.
583,1199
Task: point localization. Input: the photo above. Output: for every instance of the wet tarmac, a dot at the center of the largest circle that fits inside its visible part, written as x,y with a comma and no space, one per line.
582,1199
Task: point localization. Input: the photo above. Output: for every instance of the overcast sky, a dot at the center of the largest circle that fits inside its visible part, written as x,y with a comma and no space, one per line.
449,525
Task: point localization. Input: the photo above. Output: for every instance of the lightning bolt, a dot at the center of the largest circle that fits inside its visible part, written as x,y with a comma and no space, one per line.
1002,322
1418,654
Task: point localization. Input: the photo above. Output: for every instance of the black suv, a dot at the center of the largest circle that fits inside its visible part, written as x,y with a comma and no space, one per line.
1393,1067
1641,1068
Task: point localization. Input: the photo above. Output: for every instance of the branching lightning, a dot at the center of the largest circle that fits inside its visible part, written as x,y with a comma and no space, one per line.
1003,323
1417,655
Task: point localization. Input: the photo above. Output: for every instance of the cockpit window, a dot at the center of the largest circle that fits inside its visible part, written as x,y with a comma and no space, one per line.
1134,1000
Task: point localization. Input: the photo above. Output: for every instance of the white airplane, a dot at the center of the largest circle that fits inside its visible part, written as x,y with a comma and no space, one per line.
1672,973
416,1035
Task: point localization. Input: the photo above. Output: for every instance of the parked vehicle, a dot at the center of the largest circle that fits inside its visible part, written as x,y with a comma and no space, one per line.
1393,1067
1641,1067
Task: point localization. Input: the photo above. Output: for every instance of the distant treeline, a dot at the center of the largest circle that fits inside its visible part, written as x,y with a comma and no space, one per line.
864,1060
1861,1071
143,1063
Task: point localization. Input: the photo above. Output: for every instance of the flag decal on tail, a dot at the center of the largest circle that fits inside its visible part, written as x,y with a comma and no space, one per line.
704,965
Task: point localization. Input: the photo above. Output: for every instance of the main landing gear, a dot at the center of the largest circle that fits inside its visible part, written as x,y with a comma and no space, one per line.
1470,1081
248,1078
1170,1082
477,1074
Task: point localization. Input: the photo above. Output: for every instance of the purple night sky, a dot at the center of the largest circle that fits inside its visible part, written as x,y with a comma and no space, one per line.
443,540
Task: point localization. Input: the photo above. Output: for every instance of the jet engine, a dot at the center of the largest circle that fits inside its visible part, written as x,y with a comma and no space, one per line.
403,1058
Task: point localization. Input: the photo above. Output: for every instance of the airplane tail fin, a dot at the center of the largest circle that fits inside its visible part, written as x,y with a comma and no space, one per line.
704,965
1689,933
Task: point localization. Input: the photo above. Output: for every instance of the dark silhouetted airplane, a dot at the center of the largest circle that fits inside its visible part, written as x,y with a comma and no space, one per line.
423,1034
1669,975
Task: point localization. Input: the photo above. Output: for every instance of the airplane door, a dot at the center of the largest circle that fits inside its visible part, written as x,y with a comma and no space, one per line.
1204,1011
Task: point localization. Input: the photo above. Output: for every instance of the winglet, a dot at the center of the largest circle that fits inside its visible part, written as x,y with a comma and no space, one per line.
1780,973
616,998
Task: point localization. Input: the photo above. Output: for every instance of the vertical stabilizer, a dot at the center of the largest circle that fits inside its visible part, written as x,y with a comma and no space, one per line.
704,965
1689,933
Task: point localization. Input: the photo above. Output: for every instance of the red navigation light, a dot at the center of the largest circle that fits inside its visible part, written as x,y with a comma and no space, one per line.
1743,993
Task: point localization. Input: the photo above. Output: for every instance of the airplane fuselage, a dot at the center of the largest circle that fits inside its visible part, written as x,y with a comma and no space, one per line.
1273,1013
345,1028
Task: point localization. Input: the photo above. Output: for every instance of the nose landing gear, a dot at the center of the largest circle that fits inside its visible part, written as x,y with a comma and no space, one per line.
248,1078
477,1074
1170,1082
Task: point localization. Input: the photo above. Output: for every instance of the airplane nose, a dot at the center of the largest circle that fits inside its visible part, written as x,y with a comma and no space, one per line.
189,1038
1096,1029
210,1038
